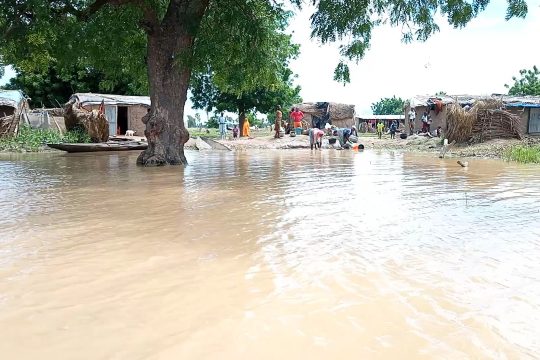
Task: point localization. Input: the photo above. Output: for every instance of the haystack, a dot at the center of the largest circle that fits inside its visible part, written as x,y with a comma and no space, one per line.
93,122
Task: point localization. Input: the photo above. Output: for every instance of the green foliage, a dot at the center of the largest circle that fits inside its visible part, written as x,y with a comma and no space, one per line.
238,42
388,106
29,139
527,84
54,87
256,82
524,154
441,93
213,122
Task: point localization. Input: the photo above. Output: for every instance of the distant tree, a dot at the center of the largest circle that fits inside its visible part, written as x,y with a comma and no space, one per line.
191,122
528,84
54,86
213,122
441,93
388,106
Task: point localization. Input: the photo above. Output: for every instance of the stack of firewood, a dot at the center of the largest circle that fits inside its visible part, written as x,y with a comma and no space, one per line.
8,125
496,124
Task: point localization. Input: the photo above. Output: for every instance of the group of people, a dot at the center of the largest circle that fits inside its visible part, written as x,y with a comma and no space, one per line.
295,117
426,123
222,121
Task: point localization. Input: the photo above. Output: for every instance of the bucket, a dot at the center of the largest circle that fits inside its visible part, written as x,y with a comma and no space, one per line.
298,131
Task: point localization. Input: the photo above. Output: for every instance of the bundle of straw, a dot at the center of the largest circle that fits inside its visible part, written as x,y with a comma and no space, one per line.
460,123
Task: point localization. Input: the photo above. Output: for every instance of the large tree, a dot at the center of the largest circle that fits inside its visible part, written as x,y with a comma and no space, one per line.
388,106
53,87
527,84
170,38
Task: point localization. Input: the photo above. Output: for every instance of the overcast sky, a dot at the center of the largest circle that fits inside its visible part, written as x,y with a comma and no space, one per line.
478,59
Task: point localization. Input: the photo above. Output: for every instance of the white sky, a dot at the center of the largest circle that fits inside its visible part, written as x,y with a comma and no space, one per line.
478,59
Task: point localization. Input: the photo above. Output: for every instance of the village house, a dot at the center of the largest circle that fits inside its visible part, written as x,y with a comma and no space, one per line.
367,123
526,107
122,112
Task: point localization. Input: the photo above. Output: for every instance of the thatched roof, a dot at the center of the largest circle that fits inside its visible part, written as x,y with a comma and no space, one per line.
335,111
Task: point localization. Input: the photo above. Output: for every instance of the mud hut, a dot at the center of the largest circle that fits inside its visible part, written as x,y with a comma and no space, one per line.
104,114
367,123
13,111
319,113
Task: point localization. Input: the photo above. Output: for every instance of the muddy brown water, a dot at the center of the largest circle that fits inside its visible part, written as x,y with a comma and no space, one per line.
269,255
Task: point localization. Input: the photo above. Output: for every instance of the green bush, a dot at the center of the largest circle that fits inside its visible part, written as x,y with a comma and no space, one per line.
524,154
29,139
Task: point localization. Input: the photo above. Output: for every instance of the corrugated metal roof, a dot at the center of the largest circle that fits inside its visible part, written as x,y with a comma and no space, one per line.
381,117
508,100
11,98
109,99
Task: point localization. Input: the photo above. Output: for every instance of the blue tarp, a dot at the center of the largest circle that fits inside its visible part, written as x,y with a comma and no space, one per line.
523,105
11,97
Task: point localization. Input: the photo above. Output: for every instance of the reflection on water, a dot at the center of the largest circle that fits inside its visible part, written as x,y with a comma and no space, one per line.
268,255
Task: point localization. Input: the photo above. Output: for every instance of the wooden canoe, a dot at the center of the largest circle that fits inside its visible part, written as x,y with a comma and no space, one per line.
110,146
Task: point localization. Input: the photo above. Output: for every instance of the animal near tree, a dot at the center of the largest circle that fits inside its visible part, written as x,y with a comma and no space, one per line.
172,38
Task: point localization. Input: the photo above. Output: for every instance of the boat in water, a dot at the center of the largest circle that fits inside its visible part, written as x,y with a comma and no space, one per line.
108,146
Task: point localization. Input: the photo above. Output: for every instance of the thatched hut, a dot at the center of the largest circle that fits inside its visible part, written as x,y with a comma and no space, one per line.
319,113
13,111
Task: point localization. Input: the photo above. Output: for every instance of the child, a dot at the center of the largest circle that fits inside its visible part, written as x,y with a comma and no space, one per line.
235,132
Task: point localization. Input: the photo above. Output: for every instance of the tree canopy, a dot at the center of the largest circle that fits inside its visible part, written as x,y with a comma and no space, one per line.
110,34
53,87
527,84
388,106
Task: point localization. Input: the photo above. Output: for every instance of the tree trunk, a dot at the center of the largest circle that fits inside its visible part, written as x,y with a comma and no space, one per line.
170,48
169,81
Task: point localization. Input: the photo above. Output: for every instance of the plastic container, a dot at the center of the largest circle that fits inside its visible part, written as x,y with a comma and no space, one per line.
298,131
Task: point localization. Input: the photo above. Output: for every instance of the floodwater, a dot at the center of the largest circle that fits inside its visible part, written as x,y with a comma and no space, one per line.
269,255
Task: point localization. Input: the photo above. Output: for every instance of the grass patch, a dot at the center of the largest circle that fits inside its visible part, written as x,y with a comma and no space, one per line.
525,154
33,140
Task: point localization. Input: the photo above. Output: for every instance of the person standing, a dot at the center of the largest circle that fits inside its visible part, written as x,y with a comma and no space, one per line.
245,128
412,119
425,122
297,117
222,126
393,129
380,128
277,125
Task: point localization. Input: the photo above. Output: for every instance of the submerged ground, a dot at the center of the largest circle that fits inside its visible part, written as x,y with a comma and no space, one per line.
268,254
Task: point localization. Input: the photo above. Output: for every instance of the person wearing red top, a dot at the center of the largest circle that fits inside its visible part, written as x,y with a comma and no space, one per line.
297,117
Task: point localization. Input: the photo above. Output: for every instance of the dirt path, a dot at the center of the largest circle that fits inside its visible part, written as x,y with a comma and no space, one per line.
489,149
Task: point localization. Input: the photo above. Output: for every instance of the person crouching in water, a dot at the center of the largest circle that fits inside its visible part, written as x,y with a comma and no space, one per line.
315,138
343,136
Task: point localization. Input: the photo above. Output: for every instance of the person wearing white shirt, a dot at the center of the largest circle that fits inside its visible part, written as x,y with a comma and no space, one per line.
222,127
